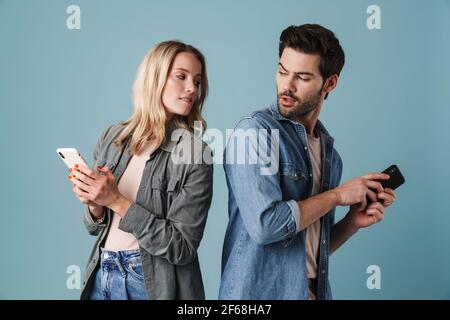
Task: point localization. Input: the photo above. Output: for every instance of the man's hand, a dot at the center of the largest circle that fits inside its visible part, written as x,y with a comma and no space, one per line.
357,190
374,212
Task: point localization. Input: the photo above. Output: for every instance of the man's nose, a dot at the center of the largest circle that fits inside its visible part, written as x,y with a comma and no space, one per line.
289,85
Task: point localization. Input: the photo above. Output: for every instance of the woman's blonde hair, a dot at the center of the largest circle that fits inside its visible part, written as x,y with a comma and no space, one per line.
149,118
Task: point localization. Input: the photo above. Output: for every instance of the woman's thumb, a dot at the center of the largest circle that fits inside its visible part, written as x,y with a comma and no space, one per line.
104,170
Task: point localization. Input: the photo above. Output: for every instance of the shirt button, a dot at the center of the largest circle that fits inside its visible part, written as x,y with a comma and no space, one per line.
323,242
310,174
105,256
306,148
323,271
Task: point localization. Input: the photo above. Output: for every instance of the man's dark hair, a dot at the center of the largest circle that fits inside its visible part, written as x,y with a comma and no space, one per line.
315,39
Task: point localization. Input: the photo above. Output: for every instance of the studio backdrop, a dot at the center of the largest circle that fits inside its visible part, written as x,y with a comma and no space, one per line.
66,73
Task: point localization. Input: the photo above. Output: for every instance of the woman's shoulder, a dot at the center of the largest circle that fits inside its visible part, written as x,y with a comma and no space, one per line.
113,130
194,146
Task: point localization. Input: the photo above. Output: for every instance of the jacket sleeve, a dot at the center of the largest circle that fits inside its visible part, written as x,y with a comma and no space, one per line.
177,236
266,216
92,227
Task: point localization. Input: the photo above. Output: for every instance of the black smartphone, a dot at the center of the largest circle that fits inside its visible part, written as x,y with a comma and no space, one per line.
396,178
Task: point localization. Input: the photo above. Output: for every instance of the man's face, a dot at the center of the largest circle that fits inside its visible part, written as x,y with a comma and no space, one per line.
299,83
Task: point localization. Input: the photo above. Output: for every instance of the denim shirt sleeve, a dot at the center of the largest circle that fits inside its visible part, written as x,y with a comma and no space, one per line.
177,236
266,217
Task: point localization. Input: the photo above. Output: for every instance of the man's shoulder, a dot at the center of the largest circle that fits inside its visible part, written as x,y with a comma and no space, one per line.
258,119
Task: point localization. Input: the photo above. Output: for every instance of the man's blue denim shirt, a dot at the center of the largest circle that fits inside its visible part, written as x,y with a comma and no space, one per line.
264,252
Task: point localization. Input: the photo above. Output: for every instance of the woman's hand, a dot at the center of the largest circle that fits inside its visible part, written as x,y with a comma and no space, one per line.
99,189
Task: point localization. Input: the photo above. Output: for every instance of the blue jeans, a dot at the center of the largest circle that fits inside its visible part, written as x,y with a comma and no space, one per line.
119,277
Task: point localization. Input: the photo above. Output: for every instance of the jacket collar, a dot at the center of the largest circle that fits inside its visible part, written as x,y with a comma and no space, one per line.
278,116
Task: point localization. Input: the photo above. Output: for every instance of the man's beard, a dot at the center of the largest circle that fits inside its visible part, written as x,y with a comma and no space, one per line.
303,107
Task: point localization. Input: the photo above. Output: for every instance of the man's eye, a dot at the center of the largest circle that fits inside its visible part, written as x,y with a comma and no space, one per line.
282,73
303,79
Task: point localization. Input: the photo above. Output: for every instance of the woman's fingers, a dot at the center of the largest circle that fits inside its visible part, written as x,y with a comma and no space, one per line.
87,181
81,187
87,172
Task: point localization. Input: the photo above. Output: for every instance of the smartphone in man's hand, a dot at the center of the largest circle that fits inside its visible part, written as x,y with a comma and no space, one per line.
396,179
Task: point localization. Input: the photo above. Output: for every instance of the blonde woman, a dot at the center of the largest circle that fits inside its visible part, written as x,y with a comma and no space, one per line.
148,210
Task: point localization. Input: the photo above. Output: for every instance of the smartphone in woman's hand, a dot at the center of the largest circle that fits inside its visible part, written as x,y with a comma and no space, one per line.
71,156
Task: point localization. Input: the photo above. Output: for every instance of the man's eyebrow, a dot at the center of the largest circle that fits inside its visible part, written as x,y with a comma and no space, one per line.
186,70
298,73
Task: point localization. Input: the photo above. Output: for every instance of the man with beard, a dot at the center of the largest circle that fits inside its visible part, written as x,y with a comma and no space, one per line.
281,228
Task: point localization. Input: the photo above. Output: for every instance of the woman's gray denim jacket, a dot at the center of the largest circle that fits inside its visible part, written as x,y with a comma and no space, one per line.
168,216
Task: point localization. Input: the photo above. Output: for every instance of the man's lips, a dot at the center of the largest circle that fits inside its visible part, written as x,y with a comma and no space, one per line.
287,101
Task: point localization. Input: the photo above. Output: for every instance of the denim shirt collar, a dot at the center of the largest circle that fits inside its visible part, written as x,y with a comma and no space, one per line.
319,125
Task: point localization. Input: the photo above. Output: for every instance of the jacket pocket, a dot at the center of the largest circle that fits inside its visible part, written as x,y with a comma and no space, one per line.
294,181
164,191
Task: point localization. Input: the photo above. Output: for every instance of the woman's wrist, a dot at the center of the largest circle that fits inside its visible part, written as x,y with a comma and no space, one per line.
120,205
96,211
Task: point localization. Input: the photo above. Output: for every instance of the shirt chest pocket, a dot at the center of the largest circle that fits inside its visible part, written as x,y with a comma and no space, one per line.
294,182
164,191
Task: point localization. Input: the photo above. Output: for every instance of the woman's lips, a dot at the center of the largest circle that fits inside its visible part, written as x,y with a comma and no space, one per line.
188,101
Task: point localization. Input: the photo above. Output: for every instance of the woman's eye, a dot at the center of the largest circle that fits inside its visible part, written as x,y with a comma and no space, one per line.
197,83
181,76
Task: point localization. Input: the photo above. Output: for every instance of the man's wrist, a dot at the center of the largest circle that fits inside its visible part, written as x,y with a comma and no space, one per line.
335,197
350,226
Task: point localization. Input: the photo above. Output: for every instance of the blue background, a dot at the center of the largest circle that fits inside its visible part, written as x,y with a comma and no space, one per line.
61,87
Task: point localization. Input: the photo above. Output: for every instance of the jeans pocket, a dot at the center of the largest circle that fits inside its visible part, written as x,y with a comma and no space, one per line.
134,268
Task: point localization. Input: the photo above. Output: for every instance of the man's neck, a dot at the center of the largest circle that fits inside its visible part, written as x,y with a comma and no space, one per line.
309,120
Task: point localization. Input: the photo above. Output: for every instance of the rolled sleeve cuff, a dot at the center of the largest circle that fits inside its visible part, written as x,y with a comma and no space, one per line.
90,220
295,214
135,219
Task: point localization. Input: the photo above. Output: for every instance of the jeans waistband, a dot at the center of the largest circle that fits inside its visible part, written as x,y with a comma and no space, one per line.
122,257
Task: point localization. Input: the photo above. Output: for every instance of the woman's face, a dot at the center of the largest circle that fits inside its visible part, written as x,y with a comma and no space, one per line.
182,84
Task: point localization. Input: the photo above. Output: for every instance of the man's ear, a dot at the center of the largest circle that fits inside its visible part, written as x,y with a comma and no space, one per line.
330,83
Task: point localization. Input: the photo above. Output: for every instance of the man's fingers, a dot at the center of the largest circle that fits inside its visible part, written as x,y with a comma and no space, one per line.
363,204
387,198
373,185
376,176
391,192
371,195
376,206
